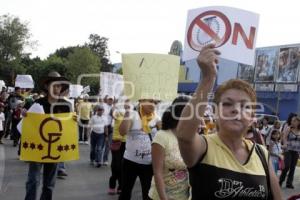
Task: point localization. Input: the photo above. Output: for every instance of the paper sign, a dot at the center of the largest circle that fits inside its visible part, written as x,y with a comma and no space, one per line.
234,32
24,81
2,84
111,84
49,140
75,91
86,89
10,89
150,76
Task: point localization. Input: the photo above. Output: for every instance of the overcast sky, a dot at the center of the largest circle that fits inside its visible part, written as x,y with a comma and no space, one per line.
135,26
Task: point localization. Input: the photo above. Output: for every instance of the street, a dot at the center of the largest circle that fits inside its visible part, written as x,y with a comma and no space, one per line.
83,182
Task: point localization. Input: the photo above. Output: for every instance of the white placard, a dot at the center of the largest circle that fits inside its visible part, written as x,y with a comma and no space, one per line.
234,31
2,84
75,91
86,89
111,84
24,81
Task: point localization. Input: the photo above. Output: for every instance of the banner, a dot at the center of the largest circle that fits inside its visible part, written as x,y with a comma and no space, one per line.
75,91
111,84
49,138
286,88
245,72
151,76
265,65
234,31
288,63
24,81
264,87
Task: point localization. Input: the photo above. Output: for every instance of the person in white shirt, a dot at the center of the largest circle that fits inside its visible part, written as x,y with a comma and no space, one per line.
2,119
108,110
99,132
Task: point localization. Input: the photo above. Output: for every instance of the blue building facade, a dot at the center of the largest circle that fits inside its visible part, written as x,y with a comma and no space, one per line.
280,103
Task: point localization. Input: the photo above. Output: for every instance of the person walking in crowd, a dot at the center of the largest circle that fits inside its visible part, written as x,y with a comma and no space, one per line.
265,128
16,118
99,132
108,111
291,147
222,162
276,126
85,111
170,179
254,134
11,105
287,124
2,121
137,157
117,150
275,150
48,102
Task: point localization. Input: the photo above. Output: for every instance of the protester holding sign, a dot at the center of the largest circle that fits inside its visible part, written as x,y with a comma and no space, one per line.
51,104
224,165
137,157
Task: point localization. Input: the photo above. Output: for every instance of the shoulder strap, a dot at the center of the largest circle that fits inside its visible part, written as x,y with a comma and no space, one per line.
262,158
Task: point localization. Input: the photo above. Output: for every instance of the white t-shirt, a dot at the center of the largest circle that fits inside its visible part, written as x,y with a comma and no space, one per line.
265,130
138,143
98,123
2,119
107,114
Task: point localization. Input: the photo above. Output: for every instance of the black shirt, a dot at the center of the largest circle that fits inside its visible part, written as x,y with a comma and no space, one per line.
61,106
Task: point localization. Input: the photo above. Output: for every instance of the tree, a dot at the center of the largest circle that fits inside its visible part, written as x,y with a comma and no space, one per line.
83,62
99,46
14,37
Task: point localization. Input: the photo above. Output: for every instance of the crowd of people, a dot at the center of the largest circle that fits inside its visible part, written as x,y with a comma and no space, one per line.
178,155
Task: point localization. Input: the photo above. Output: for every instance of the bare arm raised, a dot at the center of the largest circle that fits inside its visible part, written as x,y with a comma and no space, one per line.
192,145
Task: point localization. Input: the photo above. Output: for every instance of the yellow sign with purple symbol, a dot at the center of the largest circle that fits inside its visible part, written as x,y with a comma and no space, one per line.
49,138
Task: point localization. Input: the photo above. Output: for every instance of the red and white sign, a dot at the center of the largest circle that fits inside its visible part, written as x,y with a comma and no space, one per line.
233,31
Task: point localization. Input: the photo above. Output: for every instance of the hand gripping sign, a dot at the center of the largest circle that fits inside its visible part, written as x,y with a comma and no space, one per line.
232,30
49,138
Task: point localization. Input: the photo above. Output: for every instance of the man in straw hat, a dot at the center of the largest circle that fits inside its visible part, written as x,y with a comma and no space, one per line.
53,85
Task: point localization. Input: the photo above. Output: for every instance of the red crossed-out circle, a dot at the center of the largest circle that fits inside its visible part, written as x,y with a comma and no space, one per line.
202,25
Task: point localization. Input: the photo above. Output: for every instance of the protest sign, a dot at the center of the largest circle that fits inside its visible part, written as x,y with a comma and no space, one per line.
2,84
75,90
233,31
24,81
150,76
49,138
111,84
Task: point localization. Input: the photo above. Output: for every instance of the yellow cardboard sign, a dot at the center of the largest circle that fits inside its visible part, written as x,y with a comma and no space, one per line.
49,138
150,76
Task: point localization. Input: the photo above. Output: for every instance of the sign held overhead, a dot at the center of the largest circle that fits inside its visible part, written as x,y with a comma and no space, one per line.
234,32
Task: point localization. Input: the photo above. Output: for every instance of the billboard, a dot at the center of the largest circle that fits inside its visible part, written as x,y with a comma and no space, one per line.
245,72
287,71
265,64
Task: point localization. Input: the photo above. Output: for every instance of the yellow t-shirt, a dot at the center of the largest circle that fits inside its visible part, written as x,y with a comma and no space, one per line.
175,172
116,133
219,175
84,109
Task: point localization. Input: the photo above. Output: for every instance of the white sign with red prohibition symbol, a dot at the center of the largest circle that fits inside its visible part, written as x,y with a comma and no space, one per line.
233,31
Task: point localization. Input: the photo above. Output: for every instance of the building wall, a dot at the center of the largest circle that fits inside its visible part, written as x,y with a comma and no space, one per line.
288,101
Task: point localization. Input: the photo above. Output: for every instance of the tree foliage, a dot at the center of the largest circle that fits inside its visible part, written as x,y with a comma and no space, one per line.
99,46
14,38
